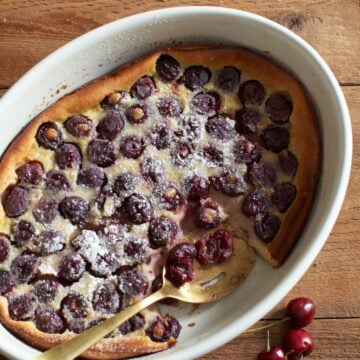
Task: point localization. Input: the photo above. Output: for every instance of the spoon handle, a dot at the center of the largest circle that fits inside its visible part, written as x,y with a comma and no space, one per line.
76,346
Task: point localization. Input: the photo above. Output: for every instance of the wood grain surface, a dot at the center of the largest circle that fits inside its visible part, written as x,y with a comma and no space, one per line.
31,29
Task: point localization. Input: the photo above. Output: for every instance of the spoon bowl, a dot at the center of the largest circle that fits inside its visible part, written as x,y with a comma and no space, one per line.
215,281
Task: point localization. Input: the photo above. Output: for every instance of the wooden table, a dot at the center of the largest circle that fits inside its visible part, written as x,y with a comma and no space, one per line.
31,29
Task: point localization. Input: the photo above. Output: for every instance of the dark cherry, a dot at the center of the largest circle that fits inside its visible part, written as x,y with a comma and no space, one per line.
181,251
112,229
22,307
275,138
288,163
24,232
74,306
67,156
4,248
136,322
275,353
104,264
170,106
125,328
49,321
78,326
181,271
101,152
135,249
207,216
169,197
167,67
106,299
72,267
138,209
46,290
206,103
125,182
301,311
79,126
198,187
24,268
133,282
207,251
262,174
45,211
196,77
300,342
162,231
111,125
7,282
278,108
92,177
181,153
114,100
246,152
172,326
252,92
152,170
219,128
254,203
215,248
143,88
75,209
161,136
227,78
266,227
230,181
180,263
189,127
32,172
161,330
50,241
132,146
213,155
15,200
247,120
57,181
137,113
283,196
157,330
49,136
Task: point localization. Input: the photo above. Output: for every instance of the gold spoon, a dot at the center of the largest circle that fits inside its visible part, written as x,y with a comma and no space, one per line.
210,284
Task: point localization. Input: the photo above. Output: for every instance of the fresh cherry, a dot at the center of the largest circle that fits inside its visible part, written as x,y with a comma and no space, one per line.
301,311
298,342
275,353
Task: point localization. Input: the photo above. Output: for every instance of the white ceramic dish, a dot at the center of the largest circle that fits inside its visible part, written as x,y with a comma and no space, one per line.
111,45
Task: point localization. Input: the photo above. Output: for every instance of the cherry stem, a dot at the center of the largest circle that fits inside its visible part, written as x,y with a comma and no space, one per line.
253,330
268,341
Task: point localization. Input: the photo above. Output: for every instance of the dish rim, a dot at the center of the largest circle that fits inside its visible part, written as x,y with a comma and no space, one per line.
297,270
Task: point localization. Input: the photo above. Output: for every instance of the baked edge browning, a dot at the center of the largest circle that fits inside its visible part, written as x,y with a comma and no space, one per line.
109,348
305,143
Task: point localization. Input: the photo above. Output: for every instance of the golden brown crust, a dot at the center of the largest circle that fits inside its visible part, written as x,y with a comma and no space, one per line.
304,142
110,348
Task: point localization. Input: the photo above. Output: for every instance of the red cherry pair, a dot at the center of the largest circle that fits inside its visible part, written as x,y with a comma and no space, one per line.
297,342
